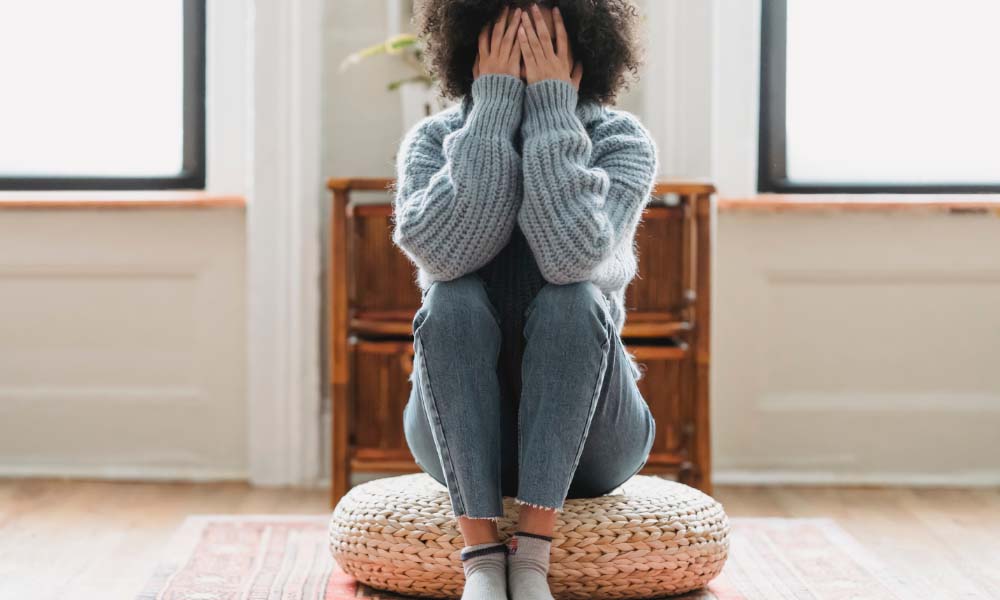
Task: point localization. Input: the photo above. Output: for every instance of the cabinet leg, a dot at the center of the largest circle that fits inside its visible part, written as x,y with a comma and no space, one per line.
340,476
695,476
340,482
699,480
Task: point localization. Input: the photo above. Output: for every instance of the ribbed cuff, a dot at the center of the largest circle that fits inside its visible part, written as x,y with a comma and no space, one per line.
538,536
497,104
550,104
483,549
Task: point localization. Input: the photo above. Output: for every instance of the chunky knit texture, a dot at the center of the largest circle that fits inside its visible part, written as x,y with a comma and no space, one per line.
572,176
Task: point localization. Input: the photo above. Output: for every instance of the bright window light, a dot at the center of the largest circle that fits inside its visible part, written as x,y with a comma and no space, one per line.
893,91
91,88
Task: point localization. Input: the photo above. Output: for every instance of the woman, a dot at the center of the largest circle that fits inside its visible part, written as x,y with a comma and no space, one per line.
519,207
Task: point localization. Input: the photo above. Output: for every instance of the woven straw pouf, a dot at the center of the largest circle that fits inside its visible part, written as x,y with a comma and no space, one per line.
649,538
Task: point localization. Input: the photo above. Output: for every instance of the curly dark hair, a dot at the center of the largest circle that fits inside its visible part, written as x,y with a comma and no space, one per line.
604,36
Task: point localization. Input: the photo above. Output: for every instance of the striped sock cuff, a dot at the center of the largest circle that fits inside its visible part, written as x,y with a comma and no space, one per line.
537,536
483,550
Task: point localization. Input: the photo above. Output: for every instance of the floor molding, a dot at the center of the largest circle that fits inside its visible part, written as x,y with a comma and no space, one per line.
123,473
831,479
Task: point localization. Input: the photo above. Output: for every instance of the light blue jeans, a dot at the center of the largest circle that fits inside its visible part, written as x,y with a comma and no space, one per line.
579,427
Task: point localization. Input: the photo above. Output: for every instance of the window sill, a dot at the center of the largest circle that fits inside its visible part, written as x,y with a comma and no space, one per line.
949,203
15,200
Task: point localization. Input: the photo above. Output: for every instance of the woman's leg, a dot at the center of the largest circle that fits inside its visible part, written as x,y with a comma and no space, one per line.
452,422
584,427
577,387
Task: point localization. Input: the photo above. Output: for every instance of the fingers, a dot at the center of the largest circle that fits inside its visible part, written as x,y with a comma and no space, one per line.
507,47
534,44
526,50
475,68
542,34
515,53
514,19
484,43
577,75
498,30
562,38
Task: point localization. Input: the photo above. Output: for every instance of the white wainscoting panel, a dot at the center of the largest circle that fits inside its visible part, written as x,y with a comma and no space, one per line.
122,343
858,348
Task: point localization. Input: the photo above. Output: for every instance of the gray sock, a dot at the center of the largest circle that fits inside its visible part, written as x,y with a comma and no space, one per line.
485,577
528,566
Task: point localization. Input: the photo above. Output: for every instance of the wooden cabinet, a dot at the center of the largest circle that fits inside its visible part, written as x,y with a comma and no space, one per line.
373,297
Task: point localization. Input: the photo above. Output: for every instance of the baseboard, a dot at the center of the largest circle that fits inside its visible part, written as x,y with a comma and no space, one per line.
734,477
818,478
124,472
830,478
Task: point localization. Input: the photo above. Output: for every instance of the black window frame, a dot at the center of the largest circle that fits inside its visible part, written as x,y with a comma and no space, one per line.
772,172
192,173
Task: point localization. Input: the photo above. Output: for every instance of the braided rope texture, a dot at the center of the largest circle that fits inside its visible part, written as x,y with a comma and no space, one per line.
649,538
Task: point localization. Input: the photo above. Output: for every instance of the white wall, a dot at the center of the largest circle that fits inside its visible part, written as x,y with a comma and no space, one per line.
853,348
122,345
362,121
857,348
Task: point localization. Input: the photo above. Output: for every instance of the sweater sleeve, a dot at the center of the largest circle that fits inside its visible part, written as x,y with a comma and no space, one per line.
583,193
457,192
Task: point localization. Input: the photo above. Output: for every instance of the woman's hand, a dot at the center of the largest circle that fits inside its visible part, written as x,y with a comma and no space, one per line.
541,60
497,52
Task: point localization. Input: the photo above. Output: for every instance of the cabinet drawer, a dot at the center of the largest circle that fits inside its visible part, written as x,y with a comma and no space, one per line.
663,250
666,387
381,388
383,281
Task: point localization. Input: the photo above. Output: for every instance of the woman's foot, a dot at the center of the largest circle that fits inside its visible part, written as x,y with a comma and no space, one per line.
485,571
528,566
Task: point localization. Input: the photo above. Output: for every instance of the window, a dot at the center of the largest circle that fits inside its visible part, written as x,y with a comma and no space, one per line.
880,96
102,94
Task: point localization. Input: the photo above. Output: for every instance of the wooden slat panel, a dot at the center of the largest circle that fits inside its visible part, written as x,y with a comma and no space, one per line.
654,330
664,186
385,465
381,327
665,386
384,279
397,327
658,286
662,461
359,183
381,389
682,186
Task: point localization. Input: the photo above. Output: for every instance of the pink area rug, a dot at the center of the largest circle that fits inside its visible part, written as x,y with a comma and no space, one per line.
286,558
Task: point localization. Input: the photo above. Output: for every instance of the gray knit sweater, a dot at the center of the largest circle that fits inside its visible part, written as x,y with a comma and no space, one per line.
525,162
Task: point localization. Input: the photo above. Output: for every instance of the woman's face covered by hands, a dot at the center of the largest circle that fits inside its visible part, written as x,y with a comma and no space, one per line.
531,44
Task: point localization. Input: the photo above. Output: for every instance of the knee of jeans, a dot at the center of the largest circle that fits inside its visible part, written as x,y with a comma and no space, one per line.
459,307
571,306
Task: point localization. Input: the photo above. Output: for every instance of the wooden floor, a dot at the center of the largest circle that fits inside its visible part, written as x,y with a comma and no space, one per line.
80,540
